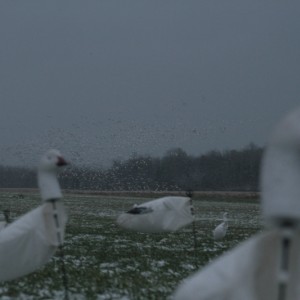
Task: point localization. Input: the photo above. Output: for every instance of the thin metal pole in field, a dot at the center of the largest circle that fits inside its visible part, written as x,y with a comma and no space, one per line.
190,195
61,249
284,260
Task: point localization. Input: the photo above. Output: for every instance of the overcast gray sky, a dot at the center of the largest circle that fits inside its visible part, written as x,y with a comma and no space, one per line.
101,79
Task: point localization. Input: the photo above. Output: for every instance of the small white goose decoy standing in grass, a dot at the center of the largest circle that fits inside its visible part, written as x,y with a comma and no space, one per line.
29,242
220,231
267,266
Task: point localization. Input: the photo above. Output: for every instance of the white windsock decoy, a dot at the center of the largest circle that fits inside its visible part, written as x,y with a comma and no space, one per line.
160,215
220,231
30,241
267,266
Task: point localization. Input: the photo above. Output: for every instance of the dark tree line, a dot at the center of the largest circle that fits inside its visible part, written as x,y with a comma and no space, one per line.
232,170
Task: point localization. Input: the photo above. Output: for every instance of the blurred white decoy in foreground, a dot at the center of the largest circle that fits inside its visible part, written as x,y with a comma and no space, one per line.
30,241
267,266
220,231
160,215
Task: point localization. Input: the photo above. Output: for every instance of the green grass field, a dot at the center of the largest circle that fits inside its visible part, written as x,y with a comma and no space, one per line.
104,261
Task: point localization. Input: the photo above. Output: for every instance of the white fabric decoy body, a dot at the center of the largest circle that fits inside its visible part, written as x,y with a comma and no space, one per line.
30,241
220,231
261,268
160,215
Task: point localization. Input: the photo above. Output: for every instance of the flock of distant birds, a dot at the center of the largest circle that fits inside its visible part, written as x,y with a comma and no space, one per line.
264,267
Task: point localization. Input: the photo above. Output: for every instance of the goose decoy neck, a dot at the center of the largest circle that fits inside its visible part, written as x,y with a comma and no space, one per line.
49,166
280,173
49,186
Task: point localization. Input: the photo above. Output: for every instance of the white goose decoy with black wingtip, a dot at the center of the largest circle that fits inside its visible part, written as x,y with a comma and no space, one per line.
267,266
30,241
164,214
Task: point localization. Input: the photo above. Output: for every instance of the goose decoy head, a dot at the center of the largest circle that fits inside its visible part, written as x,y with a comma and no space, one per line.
52,160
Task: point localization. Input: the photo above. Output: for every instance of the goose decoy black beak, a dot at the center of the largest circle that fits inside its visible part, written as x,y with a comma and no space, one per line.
61,161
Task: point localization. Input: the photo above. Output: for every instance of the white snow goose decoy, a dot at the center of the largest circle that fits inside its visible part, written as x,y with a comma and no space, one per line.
30,241
164,214
220,231
267,266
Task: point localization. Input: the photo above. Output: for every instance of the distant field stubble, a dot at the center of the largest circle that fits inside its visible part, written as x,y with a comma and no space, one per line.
104,261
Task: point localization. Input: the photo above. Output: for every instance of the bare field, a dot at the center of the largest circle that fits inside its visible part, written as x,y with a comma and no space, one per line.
104,261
